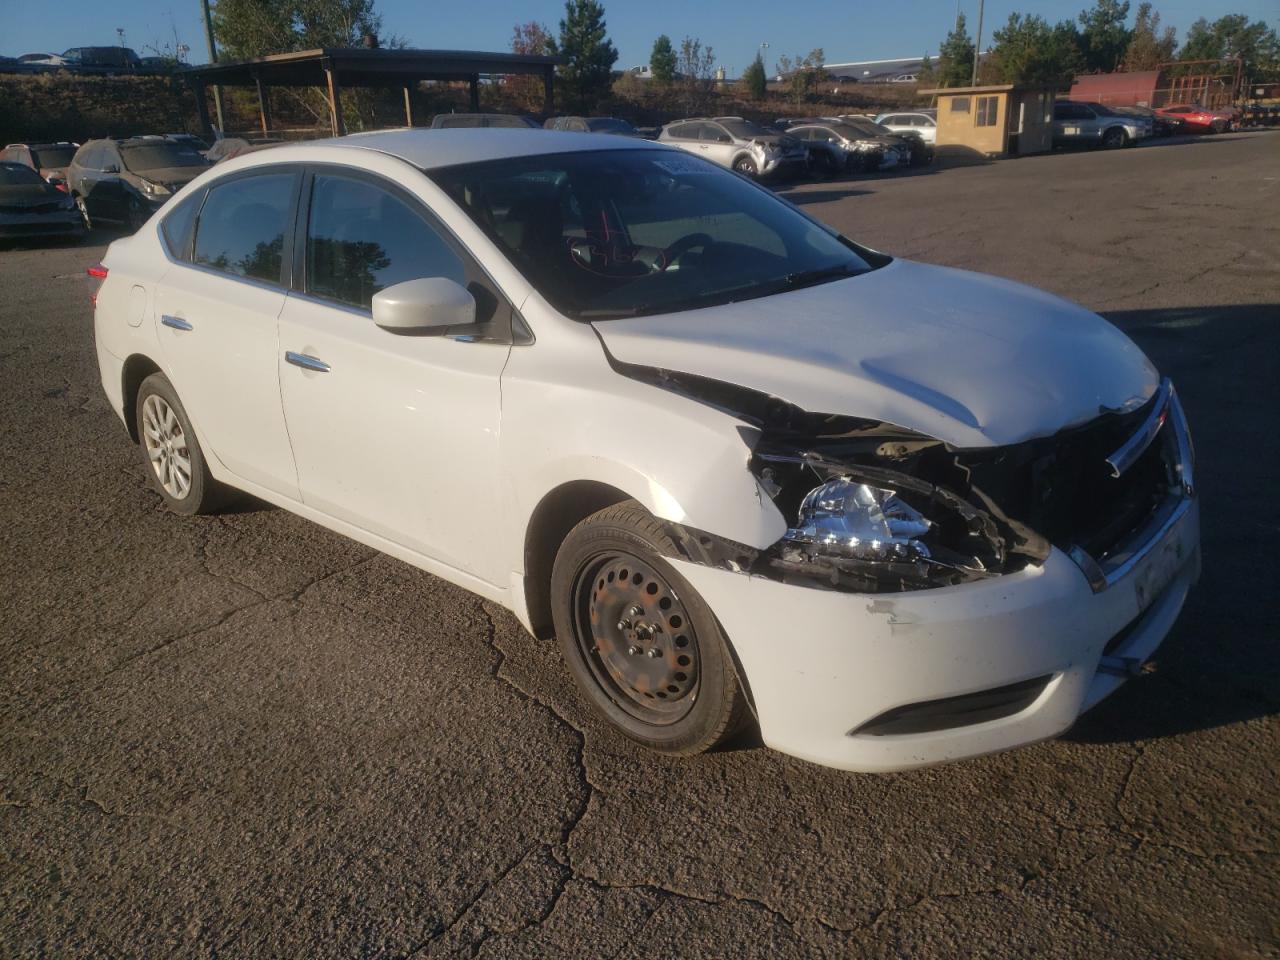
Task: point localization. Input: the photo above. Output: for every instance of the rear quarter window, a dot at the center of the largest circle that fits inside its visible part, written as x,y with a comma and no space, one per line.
178,225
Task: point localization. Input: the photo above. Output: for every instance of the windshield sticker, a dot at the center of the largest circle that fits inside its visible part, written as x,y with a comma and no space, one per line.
682,165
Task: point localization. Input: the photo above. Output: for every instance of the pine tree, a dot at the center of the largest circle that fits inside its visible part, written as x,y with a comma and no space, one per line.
1148,46
1104,37
589,55
754,80
662,62
955,57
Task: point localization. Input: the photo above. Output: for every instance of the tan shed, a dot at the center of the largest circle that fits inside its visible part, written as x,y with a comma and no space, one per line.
1005,120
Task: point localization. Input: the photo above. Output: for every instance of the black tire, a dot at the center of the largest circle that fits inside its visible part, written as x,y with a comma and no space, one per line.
1114,139
747,167
84,211
137,215
684,699
202,493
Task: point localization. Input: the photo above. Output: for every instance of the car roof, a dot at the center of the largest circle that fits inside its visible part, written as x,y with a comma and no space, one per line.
428,149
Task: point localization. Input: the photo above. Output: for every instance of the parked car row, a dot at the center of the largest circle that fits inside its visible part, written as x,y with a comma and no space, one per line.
101,61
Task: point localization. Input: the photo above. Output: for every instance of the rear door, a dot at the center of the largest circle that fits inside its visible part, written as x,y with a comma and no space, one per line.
217,307
394,433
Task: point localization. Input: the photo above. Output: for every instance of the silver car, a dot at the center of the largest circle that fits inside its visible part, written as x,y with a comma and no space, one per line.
836,147
921,122
738,144
1077,122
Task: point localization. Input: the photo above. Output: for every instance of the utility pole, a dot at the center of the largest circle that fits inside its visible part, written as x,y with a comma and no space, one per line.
213,58
977,47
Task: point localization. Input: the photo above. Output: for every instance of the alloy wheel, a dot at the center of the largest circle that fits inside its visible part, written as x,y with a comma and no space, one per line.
84,213
166,444
637,638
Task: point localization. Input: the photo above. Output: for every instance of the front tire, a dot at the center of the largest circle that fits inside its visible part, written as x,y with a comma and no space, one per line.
175,461
747,167
84,212
645,650
1114,139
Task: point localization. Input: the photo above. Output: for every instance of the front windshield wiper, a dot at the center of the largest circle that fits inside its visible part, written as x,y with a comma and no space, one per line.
809,278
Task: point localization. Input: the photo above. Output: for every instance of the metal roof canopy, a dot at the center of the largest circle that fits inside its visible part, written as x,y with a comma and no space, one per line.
333,68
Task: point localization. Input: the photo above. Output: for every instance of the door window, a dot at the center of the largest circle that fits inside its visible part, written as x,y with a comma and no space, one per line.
683,131
362,239
242,226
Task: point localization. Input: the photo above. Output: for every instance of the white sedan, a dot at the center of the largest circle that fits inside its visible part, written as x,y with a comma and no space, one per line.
923,123
740,466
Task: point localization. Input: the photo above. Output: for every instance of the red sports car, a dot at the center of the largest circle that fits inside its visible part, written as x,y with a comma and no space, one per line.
1195,118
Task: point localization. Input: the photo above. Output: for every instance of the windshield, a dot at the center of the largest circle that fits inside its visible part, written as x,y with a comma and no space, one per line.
866,127
609,125
616,233
1102,111
53,156
156,156
744,128
18,174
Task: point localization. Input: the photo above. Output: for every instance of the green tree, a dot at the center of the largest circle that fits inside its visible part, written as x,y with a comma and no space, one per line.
1028,50
589,55
955,57
754,80
1234,36
662,62
1149,46
1104,38
255,28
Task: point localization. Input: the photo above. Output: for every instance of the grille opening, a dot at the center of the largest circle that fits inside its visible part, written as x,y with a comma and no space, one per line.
928,716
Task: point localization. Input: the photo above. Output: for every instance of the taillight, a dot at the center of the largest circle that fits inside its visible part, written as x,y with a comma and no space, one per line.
59,185
98,272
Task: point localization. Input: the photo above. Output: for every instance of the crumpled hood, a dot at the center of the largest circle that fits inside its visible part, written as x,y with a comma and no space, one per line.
966,358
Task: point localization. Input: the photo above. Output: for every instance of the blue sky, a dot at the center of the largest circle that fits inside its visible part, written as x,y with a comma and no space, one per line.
845,29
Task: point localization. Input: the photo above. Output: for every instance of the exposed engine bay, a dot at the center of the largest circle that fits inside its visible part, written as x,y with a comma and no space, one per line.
873,507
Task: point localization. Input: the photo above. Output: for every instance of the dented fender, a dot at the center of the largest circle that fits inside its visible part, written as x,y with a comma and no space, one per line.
685,462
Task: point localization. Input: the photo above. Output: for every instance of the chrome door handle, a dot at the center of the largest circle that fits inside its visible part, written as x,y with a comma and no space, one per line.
306,362
176,322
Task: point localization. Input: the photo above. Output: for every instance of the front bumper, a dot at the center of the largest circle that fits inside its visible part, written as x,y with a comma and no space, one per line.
890,681
63,223
822,664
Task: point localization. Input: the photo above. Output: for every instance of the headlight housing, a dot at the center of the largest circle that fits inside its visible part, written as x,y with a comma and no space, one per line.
845,518
155,189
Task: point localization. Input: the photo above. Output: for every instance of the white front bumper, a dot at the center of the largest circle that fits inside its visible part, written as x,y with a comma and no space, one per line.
822,663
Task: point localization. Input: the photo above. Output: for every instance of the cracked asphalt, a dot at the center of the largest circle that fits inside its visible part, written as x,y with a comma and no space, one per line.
243,736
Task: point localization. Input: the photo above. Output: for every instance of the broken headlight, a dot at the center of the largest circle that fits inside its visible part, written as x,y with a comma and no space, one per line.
845,518
870,533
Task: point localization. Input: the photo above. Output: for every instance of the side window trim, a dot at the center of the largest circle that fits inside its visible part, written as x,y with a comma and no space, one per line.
286,253
474,272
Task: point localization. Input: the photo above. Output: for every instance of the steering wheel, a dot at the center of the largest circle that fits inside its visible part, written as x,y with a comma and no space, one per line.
684,245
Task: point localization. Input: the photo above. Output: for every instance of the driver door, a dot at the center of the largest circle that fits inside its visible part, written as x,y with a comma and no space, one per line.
394,433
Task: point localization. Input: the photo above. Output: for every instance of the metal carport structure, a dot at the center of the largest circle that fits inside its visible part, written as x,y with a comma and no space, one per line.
334,68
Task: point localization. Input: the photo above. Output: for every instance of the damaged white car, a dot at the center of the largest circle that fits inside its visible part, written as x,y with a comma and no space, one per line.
739,465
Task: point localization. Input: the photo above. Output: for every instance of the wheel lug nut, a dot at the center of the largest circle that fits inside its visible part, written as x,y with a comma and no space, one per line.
623,624
632,650
654,652
636,610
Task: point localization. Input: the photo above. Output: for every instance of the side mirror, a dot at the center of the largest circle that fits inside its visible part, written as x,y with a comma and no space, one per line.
424,305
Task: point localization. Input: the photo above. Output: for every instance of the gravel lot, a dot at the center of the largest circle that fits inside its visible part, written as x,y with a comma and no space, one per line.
242,736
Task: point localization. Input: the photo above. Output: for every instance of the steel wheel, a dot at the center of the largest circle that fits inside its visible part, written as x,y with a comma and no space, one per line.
637,638
166,446
644,648
84,212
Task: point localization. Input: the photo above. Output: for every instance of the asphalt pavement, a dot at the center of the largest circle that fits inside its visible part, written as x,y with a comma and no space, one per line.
244,736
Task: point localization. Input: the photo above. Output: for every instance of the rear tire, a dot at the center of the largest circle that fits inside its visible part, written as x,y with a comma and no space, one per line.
644,649
175,462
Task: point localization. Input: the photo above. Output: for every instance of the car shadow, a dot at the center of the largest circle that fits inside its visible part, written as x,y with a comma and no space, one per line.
1218,666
